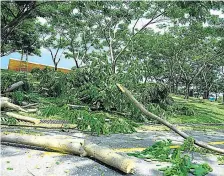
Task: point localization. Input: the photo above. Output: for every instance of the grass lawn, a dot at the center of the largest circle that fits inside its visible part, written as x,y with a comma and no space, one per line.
205,111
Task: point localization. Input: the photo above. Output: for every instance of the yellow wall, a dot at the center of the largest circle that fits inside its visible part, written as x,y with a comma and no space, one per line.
15,65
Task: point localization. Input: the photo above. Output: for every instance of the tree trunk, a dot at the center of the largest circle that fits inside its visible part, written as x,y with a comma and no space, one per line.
75,146
21,59
187,90
223,98
176,88
110,157
23,118
172,86
27,61
55,66
65,146
14,86
114,67
76,63
6,104
164,122
206,94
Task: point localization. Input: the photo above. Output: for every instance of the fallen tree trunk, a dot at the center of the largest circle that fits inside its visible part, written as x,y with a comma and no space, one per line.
14,86
164,122
6,104
24,118
74,146
109,157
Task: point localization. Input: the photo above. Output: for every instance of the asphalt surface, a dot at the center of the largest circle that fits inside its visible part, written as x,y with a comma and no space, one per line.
28,161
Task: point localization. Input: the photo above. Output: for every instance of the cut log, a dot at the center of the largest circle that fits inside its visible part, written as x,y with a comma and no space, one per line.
6,104
74,146
164,122
23,118
110,158
78,107
32,110
14,86
29,105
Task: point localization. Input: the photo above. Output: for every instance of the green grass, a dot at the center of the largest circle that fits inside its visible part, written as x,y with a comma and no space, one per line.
205,111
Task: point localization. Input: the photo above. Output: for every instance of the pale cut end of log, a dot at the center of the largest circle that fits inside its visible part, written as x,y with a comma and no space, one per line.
6,104
120,87
111,158
32,110
14,86
23,118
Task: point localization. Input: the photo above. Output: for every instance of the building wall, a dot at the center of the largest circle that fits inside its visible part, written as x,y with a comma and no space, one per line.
15,66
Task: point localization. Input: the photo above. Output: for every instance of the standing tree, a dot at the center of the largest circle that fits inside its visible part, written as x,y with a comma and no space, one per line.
53,39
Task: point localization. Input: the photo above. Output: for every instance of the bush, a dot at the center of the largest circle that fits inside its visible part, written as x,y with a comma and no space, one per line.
180,109
19,96
220,99
153,92
9,77
94,122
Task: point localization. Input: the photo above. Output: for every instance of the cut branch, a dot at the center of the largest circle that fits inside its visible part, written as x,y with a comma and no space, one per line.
23,118
64,146
75,146
6,104
14,86
164,122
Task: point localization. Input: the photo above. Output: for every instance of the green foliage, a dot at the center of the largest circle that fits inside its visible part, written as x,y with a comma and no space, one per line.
153,92
51,83
19,96
7,121
221,160
96,123
220,99
181,165
122,126
182,109
9,77
159,150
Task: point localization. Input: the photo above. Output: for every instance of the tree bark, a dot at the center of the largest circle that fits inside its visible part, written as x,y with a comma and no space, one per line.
187,90
164,122
206,94
6,104
14,86
23,118
65,146
75,146
76,63
110,157
223,98
55,66
21,60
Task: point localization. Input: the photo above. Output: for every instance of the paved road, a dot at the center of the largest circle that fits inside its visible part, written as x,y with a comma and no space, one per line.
20,161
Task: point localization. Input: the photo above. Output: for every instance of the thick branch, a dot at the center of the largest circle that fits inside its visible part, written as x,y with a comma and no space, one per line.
14,86
23,118
164,122
150,22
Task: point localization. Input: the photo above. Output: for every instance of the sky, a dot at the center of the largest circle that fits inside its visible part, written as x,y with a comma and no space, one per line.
69,63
